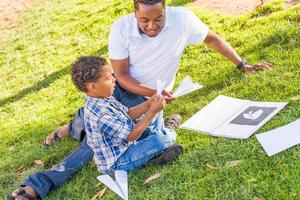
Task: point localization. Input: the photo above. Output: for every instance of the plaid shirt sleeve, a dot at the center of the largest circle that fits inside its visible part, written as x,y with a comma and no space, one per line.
116,127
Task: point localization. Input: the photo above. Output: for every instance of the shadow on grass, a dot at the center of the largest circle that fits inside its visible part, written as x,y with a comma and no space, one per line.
36,87
286,39
46,82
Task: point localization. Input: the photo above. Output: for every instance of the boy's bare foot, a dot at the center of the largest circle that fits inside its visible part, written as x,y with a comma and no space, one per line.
55,136
24,193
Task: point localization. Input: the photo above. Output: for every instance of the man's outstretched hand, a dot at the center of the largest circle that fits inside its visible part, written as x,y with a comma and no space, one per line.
254,68
168,96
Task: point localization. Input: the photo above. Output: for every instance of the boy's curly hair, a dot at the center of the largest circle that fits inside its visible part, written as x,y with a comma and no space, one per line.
86,69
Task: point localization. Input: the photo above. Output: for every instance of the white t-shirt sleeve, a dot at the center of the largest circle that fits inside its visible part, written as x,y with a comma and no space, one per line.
117,44
196,29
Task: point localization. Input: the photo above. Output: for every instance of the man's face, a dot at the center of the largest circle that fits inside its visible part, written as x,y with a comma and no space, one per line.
151,19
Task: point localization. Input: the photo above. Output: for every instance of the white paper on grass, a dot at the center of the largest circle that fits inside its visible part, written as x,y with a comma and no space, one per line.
281,138
231,117
186,86
120,186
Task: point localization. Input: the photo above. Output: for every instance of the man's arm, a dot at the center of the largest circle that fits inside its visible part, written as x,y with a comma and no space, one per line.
220,45
121,71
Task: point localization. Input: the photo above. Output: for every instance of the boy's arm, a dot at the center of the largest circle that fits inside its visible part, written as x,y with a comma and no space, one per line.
138,110
156,106
141,126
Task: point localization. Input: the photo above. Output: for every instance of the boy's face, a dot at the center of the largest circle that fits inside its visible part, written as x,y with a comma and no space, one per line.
104,86
150,18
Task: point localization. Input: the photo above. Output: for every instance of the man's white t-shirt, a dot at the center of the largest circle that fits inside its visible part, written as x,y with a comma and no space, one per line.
158,57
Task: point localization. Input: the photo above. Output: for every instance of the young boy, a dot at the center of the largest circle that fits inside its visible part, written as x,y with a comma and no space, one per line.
117,141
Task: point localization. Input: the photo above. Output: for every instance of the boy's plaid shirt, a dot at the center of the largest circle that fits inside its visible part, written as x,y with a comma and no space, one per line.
107,125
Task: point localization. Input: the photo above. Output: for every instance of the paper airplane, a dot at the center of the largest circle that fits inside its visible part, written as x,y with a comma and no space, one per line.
186,86
120,186
160,86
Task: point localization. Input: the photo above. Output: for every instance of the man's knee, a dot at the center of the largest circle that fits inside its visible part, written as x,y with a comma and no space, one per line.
76,127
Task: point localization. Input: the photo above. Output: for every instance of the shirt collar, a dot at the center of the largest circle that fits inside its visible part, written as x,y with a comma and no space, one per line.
103,102
135,28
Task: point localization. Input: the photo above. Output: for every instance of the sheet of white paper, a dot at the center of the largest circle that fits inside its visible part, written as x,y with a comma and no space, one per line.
243,131
109,182
186,86
122,180
213,114
232,117
280,139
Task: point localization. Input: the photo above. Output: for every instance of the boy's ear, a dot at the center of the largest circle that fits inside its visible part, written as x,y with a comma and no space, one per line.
90,87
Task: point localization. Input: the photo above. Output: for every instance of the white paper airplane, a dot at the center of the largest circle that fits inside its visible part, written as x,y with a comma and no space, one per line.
253,115
160,86
120,186
186,86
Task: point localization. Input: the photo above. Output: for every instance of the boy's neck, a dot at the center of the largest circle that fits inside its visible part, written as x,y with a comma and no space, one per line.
95,96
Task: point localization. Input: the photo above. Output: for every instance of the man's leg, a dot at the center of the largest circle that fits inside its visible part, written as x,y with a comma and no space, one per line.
127,98
75,129
43,182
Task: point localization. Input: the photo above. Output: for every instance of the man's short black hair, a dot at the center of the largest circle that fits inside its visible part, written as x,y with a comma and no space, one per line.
147,2
86,69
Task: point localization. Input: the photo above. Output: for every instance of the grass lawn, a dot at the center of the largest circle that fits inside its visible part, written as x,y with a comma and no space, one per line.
37,96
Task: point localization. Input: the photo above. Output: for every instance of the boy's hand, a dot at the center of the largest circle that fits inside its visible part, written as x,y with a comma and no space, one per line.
150,100
158,104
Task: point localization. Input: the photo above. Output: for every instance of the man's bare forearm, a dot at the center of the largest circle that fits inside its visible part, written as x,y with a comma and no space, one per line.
132,85
221,46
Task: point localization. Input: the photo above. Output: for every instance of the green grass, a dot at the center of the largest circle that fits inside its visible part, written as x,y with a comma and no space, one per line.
37,96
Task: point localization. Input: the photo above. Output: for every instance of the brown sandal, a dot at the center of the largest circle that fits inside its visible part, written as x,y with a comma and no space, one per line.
23,193
52,138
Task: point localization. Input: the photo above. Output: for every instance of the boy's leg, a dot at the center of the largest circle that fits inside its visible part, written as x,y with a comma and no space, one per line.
151,144
43,182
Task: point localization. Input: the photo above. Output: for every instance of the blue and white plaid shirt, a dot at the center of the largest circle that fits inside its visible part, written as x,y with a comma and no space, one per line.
107,125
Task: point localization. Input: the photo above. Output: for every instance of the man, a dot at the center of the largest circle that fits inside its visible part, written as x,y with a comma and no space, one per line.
143,47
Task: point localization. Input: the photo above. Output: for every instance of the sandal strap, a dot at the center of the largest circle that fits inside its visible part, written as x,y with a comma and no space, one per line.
56,136
23,193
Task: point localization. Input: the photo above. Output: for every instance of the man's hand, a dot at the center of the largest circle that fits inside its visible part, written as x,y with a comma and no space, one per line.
254,68
168,96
